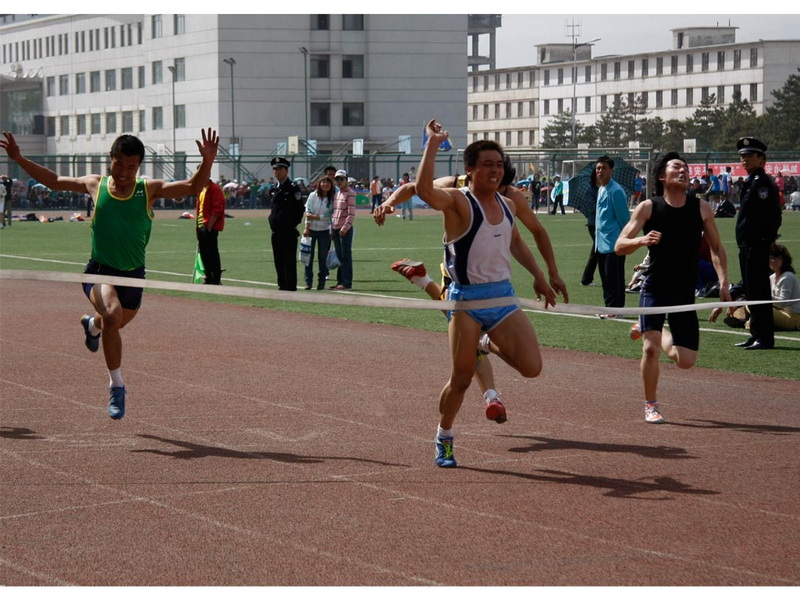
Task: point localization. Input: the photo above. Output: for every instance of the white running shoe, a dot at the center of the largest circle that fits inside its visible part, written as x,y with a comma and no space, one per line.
652,414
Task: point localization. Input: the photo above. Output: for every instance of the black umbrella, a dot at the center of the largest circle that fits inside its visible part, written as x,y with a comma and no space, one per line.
583,190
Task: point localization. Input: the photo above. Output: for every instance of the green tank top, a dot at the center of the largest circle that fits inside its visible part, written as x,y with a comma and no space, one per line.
121,227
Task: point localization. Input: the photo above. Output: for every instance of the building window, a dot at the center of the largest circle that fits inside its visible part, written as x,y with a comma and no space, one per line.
474,84
689,96
497,111
141,76
50,83
753,92
141,120
127,120
508,81
320,66
704,62
158,117
603,103
532,137
96,123
497,81
645,67
63,125
111,80
660,65
520,79
158,72
721,60
674,98
80,83
320,114
720,94
353,66
485,83
353,114
560,76
474,112
753,58
485,112
631,68
63,85
737,59
737,91
546,107
659,98
587,104
617,70
179,24
127,78
532,79
546,77
689,63
519,109
155,22
321,22
603,72
673,60
353,22
180,116
508,138
520,139
631,99
587,74
111,122
180,69
560,105
94,81
508,110
532,108
80,125
51,127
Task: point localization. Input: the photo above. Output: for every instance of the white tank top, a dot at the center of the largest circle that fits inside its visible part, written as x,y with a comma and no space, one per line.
482,254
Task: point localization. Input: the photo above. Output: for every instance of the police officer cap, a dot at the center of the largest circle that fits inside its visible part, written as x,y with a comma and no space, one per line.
279,161
746,145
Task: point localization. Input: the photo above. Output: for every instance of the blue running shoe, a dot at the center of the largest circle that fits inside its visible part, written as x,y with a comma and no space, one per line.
116,403
92,341
444,453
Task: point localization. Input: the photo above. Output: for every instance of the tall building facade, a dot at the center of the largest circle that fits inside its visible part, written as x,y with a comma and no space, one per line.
515,105
69,84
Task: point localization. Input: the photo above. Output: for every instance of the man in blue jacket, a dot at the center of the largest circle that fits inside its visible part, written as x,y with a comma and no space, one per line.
612,215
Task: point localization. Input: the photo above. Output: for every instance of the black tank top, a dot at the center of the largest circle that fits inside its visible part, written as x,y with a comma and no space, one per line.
673,261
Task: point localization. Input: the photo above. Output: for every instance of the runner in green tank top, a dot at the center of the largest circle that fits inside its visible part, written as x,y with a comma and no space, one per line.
120,233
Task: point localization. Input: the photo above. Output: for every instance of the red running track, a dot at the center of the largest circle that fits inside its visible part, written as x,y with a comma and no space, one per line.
264,448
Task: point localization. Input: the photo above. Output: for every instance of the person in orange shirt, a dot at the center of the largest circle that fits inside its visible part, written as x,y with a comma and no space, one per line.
210,221
377,194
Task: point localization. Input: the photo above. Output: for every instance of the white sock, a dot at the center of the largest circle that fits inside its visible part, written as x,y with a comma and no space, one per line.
421,282
115,378
93,330
490,395
443,433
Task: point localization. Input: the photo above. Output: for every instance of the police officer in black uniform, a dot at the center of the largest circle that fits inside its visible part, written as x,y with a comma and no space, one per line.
287,212
756,230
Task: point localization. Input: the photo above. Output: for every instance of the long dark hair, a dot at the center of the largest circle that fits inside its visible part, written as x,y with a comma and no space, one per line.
331,193
783,252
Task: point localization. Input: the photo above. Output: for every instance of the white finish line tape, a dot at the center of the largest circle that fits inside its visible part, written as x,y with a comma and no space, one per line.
353,299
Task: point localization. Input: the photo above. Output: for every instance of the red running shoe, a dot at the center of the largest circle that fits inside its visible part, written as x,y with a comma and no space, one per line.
409,268
495,411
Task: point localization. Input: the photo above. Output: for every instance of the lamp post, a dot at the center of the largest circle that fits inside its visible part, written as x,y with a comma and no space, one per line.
174,118
304,52
575,46
230,62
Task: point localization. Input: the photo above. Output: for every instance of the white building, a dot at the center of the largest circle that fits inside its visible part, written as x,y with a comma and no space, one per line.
514,105
70,84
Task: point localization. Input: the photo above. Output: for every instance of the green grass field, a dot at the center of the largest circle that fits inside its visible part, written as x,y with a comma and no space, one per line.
247,260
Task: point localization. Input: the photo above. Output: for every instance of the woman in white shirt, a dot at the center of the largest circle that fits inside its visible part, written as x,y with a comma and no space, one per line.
785,287
319,208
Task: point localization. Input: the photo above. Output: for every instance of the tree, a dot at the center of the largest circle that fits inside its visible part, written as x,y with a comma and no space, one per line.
738,119
558,133
703,123
613,128
782,119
